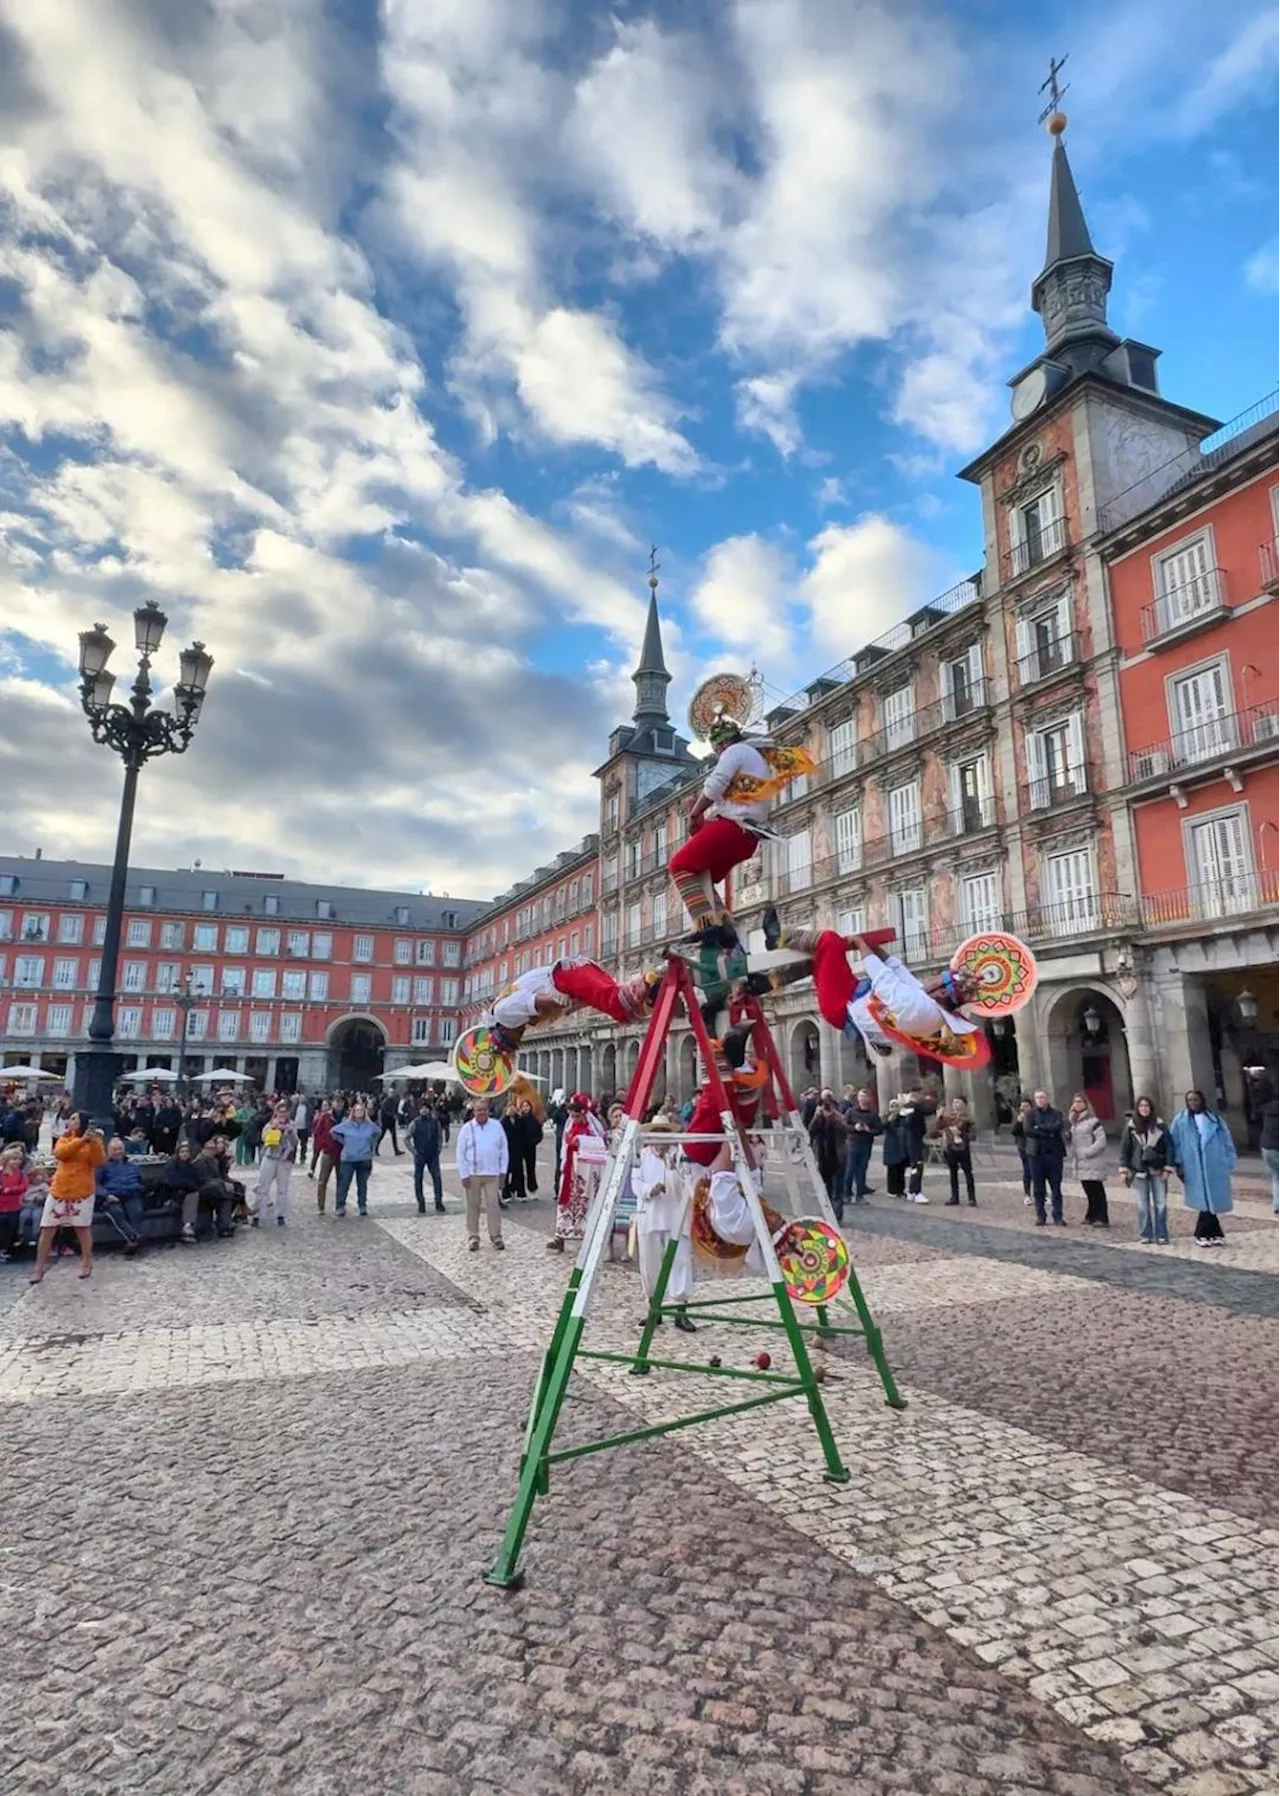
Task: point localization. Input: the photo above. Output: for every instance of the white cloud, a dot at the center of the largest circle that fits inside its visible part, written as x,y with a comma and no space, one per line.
1245,66
864,577
1260,271
742,599
766,402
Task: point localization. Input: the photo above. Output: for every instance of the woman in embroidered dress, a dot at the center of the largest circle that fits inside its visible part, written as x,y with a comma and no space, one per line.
580,1172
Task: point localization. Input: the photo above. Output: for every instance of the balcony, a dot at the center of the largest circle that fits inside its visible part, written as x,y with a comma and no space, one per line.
875,851
1203,746
1234,895
1039,547
1085,913
1055,789
1186,608
1048,658
1267,566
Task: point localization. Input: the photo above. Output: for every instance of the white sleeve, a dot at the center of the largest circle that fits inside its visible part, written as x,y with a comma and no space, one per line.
717,781
465,1158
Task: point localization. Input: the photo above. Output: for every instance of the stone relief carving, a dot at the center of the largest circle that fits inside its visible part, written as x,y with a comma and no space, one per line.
1129,448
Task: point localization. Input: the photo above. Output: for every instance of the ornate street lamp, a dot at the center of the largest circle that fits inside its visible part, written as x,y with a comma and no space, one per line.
138,733
184,998
1247,1005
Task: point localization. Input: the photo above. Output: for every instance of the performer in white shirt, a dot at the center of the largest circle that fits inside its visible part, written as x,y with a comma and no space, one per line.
482,1166
546,993
661,1211
729,817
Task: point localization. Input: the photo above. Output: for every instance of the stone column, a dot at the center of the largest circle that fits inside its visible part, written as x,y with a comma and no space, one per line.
828,1057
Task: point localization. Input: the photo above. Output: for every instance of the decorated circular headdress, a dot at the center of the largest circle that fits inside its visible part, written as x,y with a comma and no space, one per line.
814,1260
482,1067
999,972
721,706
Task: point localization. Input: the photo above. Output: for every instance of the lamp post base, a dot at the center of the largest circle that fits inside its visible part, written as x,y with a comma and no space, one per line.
97,1070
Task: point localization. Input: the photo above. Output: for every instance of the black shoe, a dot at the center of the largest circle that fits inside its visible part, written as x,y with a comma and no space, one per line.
1040,1222
439,1209
1060,1222
683,1323
422,1209
771,923
973,1203
952,1200
867,1191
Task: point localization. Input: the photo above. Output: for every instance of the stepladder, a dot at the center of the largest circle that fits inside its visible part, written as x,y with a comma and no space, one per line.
773,1143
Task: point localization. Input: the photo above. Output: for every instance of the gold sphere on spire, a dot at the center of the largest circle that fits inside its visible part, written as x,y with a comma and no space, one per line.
653,583
1057,124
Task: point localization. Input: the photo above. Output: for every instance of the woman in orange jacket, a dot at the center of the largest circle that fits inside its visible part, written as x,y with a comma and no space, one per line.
79,1154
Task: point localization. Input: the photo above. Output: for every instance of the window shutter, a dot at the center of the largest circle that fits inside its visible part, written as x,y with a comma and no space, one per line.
1037,773
1023,643
1075,752
975,672
955,797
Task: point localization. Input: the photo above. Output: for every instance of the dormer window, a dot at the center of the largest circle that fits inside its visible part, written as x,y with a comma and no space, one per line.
271,905
79,890
209,900
402,915
324,907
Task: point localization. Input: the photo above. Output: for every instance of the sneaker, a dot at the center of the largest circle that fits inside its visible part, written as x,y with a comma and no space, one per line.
1026,1200
188,1232
473,1246
279,1222
254,1222
498,1246
362,1211
919,1198
340,1213
1060,1222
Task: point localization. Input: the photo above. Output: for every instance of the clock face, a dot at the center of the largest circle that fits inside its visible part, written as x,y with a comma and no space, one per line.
1028,393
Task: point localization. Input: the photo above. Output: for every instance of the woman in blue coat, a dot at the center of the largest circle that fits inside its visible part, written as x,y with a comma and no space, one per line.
1203,1155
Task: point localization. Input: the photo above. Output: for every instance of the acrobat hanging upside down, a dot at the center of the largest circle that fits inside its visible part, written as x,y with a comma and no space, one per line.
544,994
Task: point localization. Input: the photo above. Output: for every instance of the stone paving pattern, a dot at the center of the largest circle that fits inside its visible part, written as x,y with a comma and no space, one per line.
249,1491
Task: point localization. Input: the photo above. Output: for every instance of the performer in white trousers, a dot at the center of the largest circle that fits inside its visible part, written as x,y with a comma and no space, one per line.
660,1212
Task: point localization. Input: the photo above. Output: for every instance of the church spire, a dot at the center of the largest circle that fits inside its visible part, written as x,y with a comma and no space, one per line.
651,676
1070,292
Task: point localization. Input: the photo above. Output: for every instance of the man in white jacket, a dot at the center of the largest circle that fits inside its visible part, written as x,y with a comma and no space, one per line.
660,1211
482,1166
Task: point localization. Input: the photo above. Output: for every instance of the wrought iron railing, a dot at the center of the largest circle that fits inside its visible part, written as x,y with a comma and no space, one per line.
1050,539
1048,658
1267,566
1233,895
1190,603
1258,727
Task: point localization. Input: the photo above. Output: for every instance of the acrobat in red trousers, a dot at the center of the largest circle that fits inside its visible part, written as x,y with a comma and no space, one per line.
709,856
587,983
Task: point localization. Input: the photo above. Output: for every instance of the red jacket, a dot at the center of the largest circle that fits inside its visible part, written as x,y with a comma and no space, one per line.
706,1121
322,1135
14,1185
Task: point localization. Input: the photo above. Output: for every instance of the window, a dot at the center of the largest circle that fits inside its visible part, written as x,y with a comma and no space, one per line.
362,947
913,917
448,1028
588,935
402,914
980,902
202,980
1055,763
851,922
293,985
848,841
969,796
562,948
659,917
236,939
798,851
844,751
400,989
453,952
575,936
1070,893
1202,722
299,941
259,1025
204,939
424,991
71,926
633,858
173,935
422,1029
6,925
963,688
633,926
28,970
1044,641
135,976
22,1019
321,944
324,909
426,954
448,991
138,932
197,1025
589,884
403,953
1037,531
1186,584
610,873
129,1021
268,941
1218,861
8,884
233,982
291,1026
317,987
361,988
898,717
609,932
611,811
228,1025
59,1019
35,926
271,905
208,900
264,982
147,896
162,1024
95,972
168,975
66,973
99,931
904,817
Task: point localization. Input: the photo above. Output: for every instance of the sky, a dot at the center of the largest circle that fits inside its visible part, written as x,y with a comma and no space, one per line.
379,342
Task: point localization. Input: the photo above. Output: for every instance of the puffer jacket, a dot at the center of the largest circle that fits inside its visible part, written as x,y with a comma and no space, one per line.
1087,1143
78,1157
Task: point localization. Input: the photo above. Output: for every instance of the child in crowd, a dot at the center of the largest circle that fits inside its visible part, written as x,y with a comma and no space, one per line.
14,1186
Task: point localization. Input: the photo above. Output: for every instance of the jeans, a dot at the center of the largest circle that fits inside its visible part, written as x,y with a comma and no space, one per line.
427,1163
124,1215
1271,1159
856,1162
1153,1206
1045,1169
347,1170
388,1128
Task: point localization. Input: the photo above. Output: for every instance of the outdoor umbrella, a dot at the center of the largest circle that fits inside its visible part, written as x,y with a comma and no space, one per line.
29,1072
225,1075
158,1075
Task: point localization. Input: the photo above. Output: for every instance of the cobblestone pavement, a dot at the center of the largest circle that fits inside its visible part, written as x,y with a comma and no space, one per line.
249,1489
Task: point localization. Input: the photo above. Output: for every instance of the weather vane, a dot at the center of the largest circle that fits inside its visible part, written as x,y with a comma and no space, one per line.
1053,113
654,565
